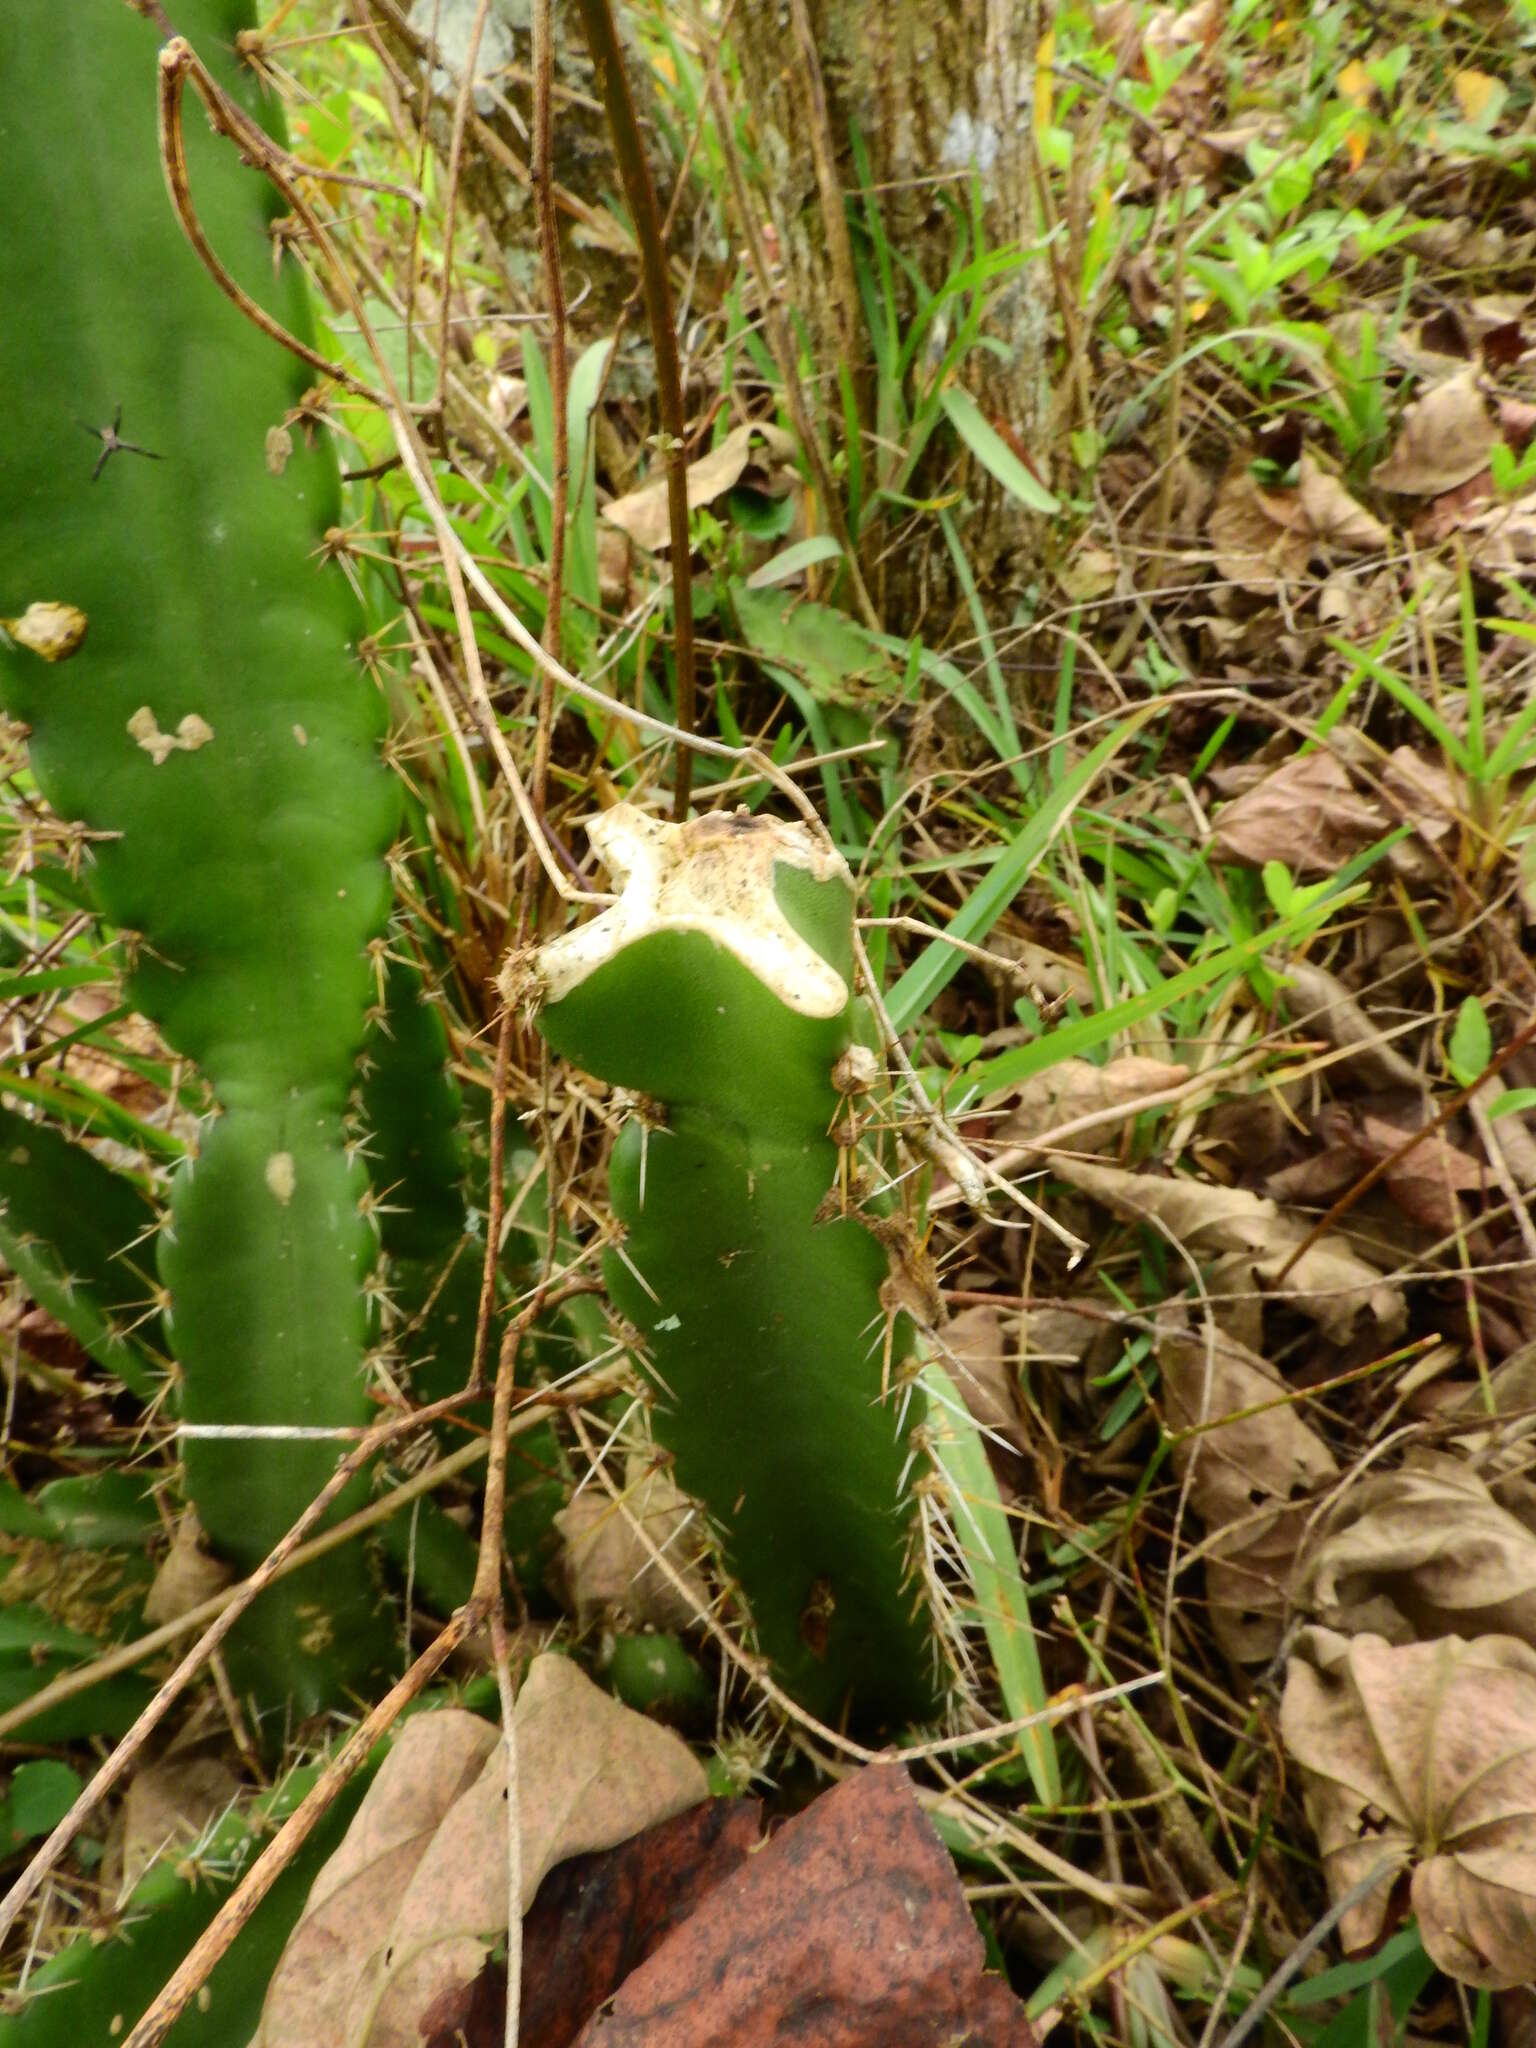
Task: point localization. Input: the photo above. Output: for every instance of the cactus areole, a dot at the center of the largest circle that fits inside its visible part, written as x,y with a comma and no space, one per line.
719,988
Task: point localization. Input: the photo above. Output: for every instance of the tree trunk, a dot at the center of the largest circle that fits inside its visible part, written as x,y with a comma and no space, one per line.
937,88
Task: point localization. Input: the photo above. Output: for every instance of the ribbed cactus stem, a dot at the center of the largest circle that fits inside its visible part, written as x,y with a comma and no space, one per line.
763,1292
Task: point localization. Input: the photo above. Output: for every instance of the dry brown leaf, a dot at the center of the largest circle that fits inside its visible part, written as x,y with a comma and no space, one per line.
188,1575
979,1355
1514,1135
1425,1183
344,1930
1475,92
1501,534
608,1567
167,1807
418,1889
1254,545
1355,84
1077,1088
1305,812
1250,1480
1426,1551
1329,1282
1265,537
1090,571
1057,1336
1333,518
591,1773
1047,975
1444,440
1498,1443
758,447
1319,1001
1423,1756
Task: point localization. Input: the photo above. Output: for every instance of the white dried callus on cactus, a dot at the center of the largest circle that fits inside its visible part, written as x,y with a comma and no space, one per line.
712,875
53,631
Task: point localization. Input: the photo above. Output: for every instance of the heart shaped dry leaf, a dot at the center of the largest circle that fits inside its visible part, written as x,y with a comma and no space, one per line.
410,1902
1251,1478
1423,1552
1422,1757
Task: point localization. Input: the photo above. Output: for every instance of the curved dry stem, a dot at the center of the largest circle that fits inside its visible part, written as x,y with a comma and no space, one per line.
178,63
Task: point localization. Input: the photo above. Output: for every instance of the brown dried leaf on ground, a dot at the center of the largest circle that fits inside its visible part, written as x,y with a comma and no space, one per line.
1259,538
596,1919
1074,1089
1445,439
1250,1481
1495,1424
1338,523
1501,532
1263,537
1329,1281
849,1930
606,1565
1422,1552
1054,1338
1306,813
406,1908
1319,1001
1423,1756
346,1920
757,453
1424,1183
979,1355
168,1805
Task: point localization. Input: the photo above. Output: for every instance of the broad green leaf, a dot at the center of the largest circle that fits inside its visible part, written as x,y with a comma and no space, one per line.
788,562
993,452
1471,1046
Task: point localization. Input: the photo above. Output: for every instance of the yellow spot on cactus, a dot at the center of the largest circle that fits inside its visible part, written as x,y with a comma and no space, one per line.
193,732
301,735
280,1176
53,631
318,1632
279,448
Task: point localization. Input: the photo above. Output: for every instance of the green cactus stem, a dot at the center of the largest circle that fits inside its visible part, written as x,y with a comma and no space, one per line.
187,669
93,1990
719,988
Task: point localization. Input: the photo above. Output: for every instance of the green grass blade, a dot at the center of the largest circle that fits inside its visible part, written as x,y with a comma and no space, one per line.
939,962
987,1544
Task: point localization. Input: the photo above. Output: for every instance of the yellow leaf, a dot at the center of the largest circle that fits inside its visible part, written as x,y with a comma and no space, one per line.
1045,84
1474,91
1355,84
